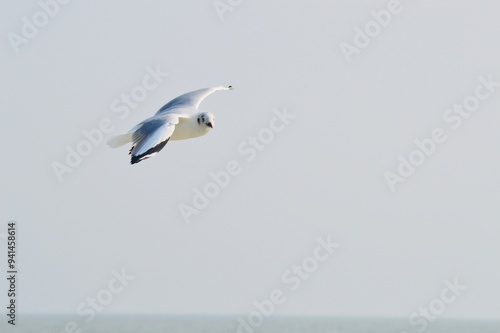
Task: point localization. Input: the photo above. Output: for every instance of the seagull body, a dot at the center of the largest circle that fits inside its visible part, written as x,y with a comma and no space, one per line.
179,119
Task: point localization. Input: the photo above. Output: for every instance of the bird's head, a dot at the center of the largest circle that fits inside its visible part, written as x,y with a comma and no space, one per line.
206,119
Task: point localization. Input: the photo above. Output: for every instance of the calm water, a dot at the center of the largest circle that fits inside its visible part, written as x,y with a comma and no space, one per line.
125,324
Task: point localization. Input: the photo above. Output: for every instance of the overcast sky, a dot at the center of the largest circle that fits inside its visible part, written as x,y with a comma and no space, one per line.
356,104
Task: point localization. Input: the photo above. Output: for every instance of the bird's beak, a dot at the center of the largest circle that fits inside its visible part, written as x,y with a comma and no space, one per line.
210,125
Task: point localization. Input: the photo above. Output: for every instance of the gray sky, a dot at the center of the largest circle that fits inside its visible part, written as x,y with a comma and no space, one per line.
323,174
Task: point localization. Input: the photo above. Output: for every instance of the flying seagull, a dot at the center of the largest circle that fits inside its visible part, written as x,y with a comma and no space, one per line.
179,119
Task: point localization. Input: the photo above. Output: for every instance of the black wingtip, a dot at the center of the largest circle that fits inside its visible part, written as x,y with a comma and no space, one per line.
137,158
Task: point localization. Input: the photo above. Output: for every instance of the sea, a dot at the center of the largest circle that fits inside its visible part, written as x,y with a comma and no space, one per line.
238,324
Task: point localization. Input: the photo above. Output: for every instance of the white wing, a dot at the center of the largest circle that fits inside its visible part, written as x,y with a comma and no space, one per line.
191,99
150,136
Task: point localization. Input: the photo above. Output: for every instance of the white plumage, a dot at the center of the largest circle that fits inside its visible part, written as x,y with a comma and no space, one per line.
179,119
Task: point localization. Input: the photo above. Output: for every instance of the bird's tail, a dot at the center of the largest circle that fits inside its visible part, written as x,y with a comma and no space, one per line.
120,140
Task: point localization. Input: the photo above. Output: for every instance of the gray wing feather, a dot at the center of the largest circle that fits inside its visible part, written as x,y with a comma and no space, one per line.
190,100
151,135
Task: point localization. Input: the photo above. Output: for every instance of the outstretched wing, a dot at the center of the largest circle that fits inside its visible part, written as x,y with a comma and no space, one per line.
191,99
151,136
